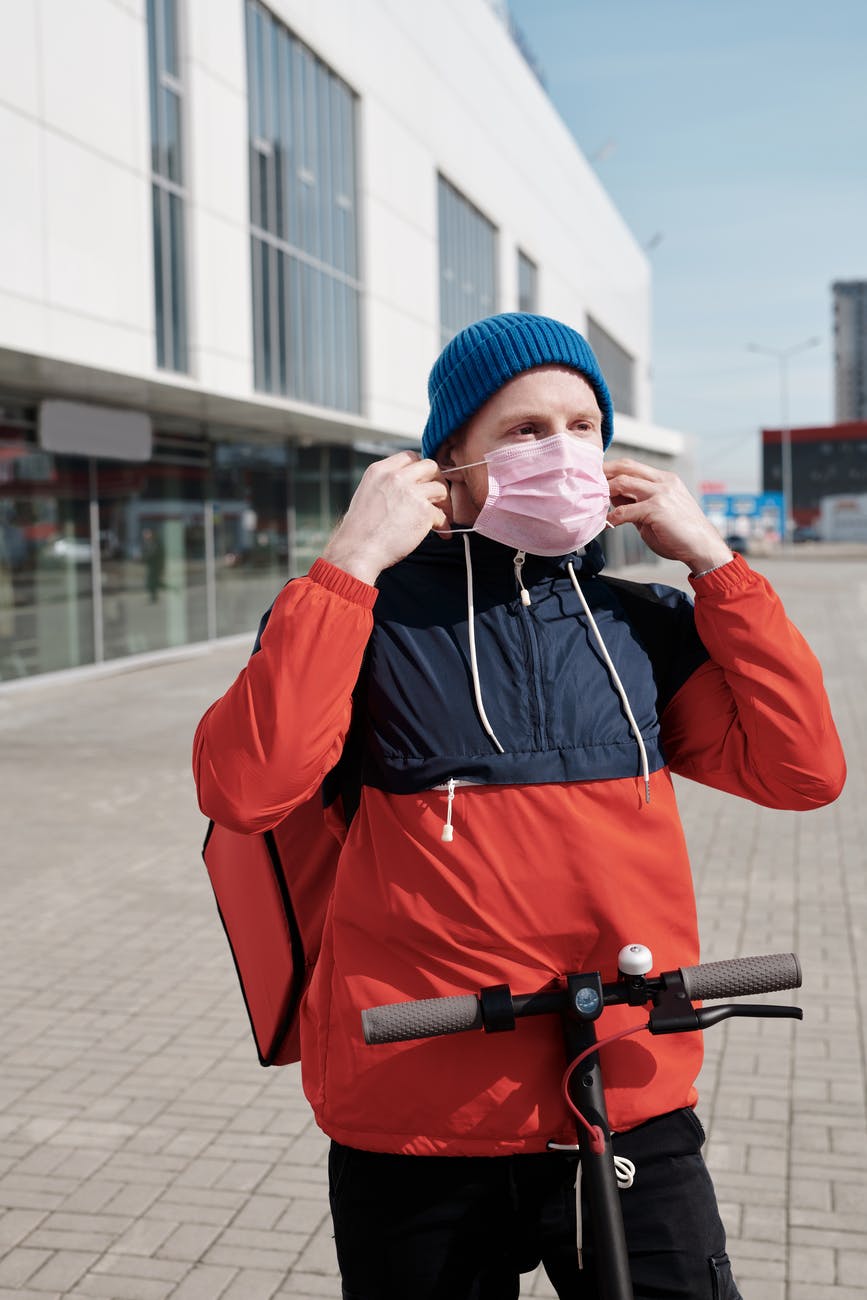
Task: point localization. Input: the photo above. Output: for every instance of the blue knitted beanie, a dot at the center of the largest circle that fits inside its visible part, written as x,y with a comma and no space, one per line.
479,360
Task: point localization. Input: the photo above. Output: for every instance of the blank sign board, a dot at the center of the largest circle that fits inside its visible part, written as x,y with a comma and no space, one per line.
77,429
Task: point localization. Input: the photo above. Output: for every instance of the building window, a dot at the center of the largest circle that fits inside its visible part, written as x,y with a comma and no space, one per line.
468,262
617,366
46,553
101,559
528,278
304,238
251,530
323,480
167,188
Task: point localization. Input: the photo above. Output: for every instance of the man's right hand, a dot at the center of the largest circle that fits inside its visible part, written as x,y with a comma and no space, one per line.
398,501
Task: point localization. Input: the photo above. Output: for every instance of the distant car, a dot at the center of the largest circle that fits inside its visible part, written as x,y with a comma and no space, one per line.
737,544
75,549
806,533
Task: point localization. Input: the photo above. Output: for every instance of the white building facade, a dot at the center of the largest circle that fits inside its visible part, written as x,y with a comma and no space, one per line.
235,236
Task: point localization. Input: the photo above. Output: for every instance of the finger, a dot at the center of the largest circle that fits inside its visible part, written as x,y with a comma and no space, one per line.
422,469
436,491
625,465
442,523
399,460
631,488
441,502
633,512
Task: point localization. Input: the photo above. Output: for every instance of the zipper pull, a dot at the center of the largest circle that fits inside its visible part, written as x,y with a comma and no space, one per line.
520,557
448,831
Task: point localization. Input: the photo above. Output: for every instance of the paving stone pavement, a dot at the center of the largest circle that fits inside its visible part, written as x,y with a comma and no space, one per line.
144,1153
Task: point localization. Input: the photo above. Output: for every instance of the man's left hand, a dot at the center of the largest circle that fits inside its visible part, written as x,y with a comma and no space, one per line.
666,514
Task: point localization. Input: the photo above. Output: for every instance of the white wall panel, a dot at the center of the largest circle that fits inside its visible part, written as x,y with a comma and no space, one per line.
400,356
398,254
223,334
90,340
216,167
21,269
22,323
20,69
397,170
98,239
94,75
214,38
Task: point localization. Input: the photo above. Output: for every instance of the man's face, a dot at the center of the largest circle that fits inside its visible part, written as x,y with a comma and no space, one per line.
534,405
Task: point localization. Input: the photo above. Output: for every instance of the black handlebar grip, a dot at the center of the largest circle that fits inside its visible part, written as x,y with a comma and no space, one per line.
742,976
398,1022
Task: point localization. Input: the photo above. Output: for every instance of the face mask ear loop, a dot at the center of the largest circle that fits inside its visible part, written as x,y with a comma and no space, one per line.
477,686
618,685
453,531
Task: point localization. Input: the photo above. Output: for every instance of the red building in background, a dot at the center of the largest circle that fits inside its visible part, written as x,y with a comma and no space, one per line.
826,461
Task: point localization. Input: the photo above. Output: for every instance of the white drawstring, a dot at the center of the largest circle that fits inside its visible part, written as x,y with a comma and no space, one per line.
474,667
623,1168
621,691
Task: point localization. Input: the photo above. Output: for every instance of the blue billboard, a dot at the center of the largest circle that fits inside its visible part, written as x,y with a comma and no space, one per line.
748,515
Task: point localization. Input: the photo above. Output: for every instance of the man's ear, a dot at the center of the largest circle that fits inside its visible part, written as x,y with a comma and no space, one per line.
446,452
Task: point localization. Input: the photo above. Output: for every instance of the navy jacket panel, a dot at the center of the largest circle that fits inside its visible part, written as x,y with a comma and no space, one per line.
545,686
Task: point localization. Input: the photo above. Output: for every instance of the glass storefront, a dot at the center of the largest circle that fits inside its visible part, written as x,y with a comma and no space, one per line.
101,558
323,479
152,521
251,531
46,578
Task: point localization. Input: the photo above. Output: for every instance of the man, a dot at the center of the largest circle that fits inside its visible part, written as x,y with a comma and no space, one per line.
513,717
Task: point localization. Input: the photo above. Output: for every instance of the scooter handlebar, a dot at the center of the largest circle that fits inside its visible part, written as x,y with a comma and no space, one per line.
742,976
401,1021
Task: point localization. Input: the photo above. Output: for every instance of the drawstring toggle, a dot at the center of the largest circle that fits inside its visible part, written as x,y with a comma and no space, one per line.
448,831
520,557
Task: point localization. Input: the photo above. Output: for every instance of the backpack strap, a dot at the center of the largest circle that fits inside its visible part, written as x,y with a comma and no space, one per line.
344,781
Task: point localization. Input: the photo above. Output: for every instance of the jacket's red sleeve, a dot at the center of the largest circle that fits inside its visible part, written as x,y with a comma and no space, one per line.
265,746
755,719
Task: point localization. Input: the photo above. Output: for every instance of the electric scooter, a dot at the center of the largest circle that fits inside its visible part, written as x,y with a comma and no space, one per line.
579,1001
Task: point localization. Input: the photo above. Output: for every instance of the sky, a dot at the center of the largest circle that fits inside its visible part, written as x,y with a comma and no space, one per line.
732,137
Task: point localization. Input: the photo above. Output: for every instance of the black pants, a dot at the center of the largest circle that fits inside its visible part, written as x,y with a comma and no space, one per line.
466,1227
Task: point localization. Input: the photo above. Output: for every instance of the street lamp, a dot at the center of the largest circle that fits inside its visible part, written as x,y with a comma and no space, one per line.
782,355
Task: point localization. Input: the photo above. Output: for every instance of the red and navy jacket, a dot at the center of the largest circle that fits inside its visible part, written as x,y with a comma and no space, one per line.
557,859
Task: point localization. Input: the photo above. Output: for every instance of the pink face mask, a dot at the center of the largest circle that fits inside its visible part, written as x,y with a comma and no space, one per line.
548,497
